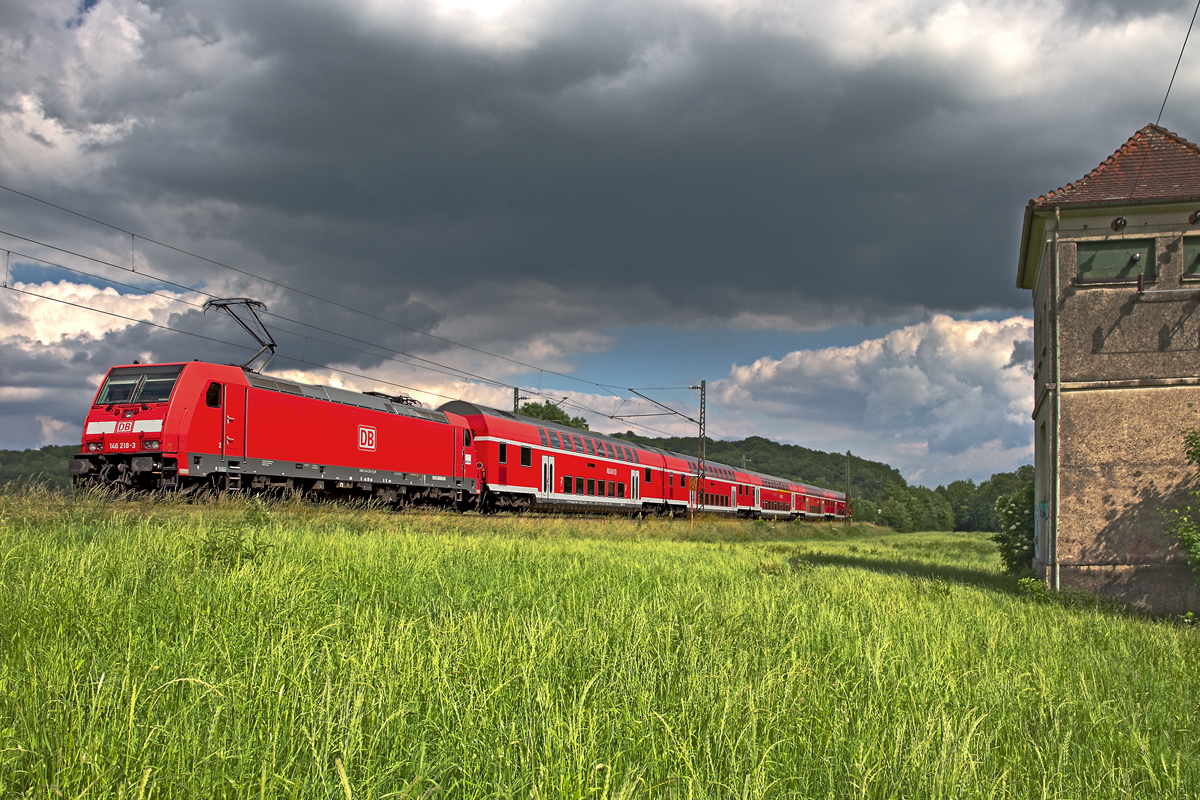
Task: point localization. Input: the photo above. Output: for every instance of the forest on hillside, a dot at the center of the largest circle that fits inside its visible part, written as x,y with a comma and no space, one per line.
868,479
48,464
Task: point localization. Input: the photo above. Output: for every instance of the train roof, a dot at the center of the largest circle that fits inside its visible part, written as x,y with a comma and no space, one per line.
464,408
376,402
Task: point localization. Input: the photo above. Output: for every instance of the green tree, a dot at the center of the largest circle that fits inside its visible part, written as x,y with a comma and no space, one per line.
907,509
975,506
49,464
1015,514
552,413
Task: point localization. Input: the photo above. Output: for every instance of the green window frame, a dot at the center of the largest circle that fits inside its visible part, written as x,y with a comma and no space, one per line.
1191,256
1115,259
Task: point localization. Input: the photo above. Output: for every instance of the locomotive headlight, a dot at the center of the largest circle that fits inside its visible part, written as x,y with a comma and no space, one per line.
151,444
95,447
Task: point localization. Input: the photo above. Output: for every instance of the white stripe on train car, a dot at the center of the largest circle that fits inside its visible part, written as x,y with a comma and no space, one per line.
102,427
147,426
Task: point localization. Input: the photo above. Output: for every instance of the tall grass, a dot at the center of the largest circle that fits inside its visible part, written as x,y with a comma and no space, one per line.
236,649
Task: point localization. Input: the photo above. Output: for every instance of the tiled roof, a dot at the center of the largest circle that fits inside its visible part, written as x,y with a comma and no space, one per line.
1154,165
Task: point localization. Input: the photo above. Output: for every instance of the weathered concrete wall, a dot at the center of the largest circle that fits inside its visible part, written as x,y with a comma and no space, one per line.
1121,464
1119,457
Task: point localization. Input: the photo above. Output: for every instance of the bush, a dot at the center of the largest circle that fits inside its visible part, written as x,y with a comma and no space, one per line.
865,511
1014,513
1182,522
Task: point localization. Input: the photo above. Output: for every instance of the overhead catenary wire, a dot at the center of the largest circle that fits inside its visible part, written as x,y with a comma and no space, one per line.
318,365
1166,94
445,369
406,359
302,292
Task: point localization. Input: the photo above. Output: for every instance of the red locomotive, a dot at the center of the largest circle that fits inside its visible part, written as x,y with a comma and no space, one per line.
182,426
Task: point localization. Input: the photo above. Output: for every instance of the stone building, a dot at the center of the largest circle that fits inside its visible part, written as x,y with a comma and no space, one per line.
1113,261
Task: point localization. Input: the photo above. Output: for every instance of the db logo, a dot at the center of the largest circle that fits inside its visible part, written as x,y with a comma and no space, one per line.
125,427
366,438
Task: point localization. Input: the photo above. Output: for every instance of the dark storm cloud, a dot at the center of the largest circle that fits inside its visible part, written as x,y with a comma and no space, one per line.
645,159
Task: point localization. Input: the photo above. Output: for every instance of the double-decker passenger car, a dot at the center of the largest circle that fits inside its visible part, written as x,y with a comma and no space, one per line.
179,426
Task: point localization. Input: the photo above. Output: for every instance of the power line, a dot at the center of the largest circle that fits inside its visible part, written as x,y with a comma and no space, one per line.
318,365
301,291
445,369
1177,61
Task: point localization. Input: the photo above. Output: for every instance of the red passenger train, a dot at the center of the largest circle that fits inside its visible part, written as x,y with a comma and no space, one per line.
183,426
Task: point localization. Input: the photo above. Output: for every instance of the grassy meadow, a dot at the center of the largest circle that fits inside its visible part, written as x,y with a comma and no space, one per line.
232,648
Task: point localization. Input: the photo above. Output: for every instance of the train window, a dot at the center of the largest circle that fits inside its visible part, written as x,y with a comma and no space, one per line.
542,433
554,439
611,454
635,457
579,486
466,437
212,398
590,450
138,385
612,489
503,453
568,483
592,487
526,456
620,490
648,476
578,443
620,454
600,488
566,440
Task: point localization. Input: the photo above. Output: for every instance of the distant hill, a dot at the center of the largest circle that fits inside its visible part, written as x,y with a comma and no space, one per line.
47,464
868,479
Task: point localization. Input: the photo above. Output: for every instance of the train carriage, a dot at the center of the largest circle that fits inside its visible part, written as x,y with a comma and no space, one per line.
184,425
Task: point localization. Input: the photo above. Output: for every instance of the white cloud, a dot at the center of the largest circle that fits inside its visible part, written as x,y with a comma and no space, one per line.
936,399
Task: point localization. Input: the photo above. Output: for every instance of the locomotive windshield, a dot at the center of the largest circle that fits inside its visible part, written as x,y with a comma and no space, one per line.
138,385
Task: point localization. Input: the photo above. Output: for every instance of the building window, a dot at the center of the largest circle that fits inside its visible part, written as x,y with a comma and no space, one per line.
526,456
1191,256
1115,259
503,453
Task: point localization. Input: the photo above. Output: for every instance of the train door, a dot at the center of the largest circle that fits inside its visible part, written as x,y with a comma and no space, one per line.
233,427
733,497
462,439
758,498
547,475
635,486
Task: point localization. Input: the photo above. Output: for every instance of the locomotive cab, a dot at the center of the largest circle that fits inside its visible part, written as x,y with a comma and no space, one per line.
126,437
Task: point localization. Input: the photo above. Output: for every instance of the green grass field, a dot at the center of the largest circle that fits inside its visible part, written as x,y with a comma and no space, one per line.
234,649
